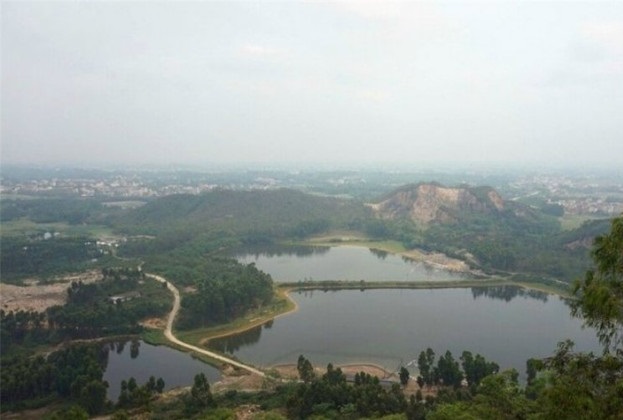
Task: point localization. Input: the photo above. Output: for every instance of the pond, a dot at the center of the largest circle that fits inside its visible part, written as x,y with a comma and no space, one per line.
141,360
507,325
293,264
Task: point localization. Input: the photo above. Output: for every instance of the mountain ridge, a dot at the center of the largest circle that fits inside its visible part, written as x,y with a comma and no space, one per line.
431,202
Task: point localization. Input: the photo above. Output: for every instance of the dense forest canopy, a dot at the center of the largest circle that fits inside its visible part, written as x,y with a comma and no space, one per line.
274,213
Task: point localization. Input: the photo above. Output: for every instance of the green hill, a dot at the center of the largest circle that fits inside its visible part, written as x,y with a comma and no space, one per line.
248,214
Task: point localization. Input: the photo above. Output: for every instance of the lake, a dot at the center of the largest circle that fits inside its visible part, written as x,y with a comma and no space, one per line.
174,367
505,324
293,264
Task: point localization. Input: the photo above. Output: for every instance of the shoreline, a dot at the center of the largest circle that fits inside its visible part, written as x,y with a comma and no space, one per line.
202,337
434,259
293,306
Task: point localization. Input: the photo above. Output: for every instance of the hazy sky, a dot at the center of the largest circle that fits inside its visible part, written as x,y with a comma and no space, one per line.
348,82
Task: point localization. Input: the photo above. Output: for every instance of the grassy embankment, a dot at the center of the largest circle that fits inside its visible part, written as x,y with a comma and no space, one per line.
281,305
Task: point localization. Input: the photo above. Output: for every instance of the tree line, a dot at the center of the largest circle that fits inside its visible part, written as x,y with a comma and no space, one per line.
22,257
74,374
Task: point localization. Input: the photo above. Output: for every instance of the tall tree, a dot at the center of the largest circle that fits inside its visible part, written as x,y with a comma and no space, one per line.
93,396
600,293
448,370
425,364
404,376
305,369
200,392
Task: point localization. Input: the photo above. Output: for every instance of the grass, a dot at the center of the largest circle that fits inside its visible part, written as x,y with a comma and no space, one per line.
155,337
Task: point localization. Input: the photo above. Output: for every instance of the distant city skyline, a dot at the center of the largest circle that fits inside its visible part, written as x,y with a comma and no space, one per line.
302,83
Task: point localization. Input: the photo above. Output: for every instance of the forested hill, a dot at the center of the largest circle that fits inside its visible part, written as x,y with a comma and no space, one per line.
476,224
265,213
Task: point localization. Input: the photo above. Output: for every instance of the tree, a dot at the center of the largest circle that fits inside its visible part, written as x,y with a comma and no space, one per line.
448,370
533,366
582,385
476,368
160,385
305,369
200,392
600,293
93,396
425,363
404,376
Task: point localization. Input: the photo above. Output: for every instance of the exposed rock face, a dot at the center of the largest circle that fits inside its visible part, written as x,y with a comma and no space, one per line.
434,203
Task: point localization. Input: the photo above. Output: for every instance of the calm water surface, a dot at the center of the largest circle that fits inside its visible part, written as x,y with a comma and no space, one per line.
292,264
176,368
506,325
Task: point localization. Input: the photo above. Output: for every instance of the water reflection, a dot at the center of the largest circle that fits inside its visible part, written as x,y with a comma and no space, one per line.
134,349
387,326
118,346
508,293
233,343
344,263
271,251
379,253
144,360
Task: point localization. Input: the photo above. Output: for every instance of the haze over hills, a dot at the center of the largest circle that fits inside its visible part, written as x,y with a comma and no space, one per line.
146,141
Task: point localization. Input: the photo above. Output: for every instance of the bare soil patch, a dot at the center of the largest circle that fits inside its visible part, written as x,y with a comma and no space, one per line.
240,381
289,371
154,323
439,260
38,297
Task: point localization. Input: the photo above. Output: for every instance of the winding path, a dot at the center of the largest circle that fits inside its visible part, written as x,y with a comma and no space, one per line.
168,332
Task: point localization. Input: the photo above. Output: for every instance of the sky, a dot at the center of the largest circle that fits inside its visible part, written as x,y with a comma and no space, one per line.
117,82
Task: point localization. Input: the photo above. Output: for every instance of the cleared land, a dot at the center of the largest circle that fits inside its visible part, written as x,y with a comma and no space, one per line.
37,297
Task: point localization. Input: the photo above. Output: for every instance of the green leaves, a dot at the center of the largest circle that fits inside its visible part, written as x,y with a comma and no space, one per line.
600,293
224,289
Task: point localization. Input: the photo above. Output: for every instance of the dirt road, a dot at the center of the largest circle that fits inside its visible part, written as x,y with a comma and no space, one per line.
168,332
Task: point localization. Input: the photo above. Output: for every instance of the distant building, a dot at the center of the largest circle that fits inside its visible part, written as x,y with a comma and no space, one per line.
124,297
